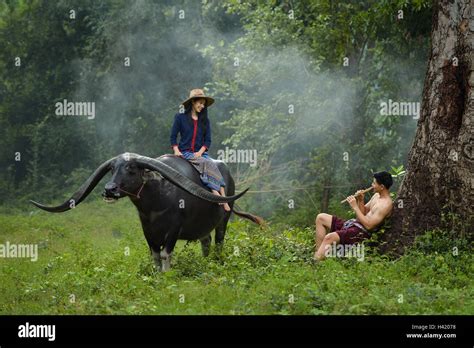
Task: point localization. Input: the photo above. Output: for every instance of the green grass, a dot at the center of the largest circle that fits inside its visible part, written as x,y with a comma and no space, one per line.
83,268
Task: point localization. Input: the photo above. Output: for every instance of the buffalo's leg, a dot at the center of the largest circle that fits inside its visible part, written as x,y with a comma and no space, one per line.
165,260
206,245
155,254
154,240
156,259
220,233
167,250
155,251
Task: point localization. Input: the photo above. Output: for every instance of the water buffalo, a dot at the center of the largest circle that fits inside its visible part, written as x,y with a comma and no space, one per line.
172,202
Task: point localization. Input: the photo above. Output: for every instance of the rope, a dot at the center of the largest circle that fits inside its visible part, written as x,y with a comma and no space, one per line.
137,194
295,188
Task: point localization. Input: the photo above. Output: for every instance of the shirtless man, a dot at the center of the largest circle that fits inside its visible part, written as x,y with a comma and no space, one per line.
368,217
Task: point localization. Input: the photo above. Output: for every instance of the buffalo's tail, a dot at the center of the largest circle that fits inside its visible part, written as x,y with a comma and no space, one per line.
254,218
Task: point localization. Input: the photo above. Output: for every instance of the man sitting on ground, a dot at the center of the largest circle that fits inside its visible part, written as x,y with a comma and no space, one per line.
368,217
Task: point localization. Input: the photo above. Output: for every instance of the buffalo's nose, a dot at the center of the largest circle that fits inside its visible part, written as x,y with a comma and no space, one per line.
111,187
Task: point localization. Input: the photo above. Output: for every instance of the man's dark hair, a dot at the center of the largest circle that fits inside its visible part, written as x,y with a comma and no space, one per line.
384,178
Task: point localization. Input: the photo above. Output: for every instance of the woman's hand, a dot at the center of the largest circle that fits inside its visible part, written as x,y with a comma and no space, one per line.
200,152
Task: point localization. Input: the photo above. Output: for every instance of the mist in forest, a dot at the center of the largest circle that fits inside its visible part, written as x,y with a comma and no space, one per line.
151,74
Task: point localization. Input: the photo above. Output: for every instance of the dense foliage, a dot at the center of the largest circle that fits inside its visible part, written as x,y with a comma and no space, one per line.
276,69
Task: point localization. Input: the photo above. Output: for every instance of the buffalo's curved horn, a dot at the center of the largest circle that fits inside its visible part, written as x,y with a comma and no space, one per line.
83,191
184,182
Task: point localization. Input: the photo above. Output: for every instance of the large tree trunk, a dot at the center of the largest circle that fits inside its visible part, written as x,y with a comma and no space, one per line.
440,165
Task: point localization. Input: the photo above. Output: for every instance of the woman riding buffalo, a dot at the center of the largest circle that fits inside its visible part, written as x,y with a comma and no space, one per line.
195,129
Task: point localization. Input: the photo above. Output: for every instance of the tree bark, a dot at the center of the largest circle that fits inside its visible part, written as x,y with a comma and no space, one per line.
441,161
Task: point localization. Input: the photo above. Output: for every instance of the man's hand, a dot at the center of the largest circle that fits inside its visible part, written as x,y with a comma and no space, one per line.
177,152
352,201
359,195
198,154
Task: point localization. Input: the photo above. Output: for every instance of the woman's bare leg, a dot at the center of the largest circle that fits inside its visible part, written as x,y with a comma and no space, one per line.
226,206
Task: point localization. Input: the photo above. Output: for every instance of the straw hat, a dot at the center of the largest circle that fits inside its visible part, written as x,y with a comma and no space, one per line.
195,94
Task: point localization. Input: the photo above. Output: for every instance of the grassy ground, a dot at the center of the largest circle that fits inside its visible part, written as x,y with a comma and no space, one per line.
94,260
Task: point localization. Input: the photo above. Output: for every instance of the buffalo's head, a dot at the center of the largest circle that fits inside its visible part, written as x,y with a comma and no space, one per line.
127,179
